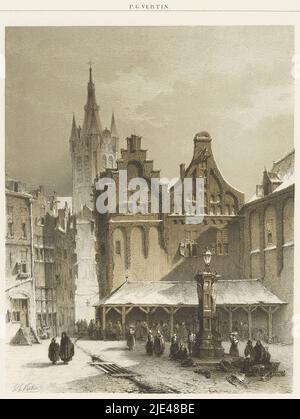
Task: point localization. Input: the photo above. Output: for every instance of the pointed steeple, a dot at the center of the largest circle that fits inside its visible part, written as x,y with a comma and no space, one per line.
113,127
74,130
91,123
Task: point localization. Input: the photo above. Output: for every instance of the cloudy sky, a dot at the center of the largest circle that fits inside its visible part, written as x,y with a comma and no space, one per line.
165,84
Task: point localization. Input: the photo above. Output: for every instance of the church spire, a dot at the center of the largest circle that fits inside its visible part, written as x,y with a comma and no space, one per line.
113,127
91,123
74,130
91,75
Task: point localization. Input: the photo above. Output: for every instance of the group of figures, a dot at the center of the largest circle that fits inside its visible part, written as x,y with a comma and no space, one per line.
254,355
242,329
181,346
115,331
64,351
180,350
155,344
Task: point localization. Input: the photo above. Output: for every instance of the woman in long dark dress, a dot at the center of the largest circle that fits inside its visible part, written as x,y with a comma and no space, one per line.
174,348
131,338
66,352
150,344
53,351
159,344
234,348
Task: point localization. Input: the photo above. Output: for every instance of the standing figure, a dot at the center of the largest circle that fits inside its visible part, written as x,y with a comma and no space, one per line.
131,338
183,333
234,350
259,351
145,330
150,343
191,341
159,344
166,331
66,351
53,351
174,348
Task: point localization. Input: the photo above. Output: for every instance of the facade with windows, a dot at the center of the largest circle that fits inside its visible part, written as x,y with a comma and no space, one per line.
40,265
19,263
269,239
252,247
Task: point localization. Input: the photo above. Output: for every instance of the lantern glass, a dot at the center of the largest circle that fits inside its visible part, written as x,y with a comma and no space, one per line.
207,257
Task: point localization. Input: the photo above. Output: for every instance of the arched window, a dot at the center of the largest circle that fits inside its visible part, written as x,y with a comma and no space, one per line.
227,210
288,221
270,227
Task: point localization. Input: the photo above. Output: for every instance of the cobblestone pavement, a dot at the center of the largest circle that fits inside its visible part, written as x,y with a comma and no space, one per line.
29,370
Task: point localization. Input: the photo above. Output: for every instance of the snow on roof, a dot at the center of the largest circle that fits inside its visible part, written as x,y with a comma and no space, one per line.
230,292
282,173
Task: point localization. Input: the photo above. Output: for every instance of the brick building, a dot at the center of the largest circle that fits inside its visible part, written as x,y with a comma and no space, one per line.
147,262
40,265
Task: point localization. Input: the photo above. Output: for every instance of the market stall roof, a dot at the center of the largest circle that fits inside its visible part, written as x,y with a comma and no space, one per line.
184,293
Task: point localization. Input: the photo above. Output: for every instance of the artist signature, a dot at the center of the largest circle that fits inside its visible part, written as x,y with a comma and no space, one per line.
25,388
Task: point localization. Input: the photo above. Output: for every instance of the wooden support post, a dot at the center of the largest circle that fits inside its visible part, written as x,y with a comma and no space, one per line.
270,324
124,322
171,321
250,322
230,319
104,322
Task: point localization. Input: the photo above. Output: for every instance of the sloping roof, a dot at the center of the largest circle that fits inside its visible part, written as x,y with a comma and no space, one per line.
230,292
282,173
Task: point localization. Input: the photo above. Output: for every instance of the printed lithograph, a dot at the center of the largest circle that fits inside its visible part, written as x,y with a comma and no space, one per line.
148,202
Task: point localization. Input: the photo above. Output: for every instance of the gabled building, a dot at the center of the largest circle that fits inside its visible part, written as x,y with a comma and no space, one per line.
147,262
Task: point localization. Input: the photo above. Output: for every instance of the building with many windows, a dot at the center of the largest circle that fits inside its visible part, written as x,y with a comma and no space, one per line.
40,262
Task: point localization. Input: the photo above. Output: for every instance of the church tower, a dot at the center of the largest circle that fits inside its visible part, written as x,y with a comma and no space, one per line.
92,149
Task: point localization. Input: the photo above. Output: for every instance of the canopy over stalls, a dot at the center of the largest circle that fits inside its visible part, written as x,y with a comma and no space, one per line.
248,294
231,292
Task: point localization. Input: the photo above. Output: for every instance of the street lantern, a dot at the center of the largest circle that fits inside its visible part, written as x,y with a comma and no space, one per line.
207,257
208,343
